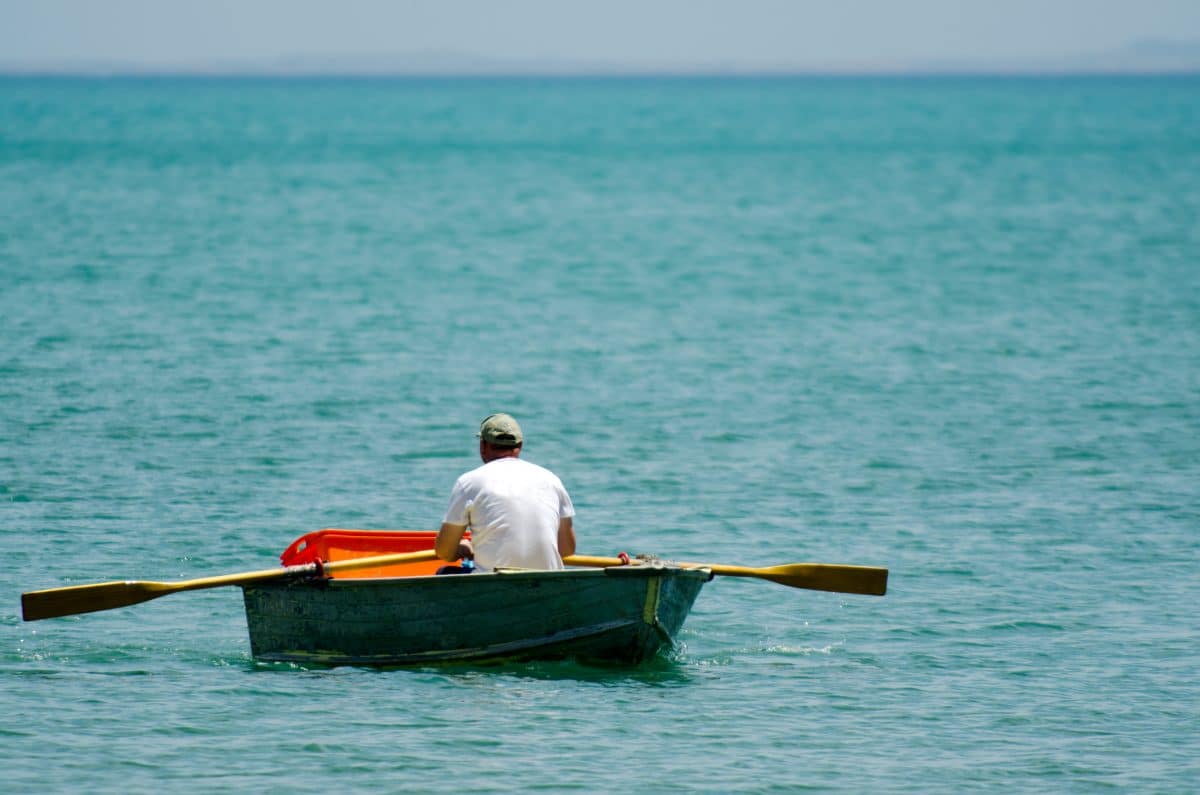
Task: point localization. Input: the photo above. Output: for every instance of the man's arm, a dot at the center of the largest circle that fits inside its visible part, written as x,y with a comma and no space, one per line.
450,544
566,537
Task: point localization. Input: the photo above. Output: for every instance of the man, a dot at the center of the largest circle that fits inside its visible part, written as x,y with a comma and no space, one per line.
519,514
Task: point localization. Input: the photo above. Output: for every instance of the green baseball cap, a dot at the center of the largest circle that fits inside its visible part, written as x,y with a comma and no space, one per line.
500,430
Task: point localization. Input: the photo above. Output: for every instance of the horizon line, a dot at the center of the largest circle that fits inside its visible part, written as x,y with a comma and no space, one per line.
1143,58
632,73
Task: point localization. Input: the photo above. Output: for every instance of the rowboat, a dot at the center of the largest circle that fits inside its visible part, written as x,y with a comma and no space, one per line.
375,597
407,614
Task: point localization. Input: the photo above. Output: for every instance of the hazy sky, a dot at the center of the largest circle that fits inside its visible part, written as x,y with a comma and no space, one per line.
659,33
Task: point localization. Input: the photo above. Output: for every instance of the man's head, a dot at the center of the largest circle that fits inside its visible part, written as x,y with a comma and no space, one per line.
499,436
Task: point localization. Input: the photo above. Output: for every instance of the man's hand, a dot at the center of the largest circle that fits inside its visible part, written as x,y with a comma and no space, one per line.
465,550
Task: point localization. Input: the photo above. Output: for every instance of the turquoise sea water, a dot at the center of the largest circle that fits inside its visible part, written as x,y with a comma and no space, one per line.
951,327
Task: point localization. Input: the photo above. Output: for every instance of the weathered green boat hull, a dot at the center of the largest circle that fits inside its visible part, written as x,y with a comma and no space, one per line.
625,615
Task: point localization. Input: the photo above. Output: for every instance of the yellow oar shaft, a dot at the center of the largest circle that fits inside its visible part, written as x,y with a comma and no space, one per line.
76,599
834,577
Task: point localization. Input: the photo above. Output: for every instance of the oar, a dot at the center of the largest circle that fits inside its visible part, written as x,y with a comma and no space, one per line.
75,599
813,576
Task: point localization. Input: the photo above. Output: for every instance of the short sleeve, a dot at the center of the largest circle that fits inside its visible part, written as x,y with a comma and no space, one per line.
565,508
460,503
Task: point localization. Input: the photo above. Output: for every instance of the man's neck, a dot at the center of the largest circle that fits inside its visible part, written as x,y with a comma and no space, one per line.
490,454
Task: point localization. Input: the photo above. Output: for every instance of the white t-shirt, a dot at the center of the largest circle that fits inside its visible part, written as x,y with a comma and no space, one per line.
512,508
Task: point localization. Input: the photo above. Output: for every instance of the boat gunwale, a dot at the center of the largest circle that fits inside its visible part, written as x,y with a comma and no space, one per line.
516,575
